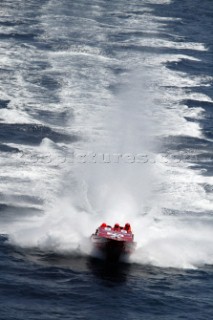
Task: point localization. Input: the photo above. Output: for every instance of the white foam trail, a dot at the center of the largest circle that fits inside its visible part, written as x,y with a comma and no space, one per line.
62,229
174,242
79,196
138,193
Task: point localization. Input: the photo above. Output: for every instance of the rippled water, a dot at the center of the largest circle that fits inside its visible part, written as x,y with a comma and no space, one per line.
106,115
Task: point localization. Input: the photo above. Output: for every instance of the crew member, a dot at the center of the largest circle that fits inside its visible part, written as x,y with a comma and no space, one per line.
116,227
103,225
127,227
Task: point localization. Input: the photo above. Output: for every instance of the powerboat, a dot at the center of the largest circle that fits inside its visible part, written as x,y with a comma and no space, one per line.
114,242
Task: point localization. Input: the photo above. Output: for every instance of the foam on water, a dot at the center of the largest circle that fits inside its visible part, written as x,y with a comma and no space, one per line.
132,118
137,192
174,242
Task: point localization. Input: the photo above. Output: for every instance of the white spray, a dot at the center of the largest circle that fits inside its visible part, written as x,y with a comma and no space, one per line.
120,180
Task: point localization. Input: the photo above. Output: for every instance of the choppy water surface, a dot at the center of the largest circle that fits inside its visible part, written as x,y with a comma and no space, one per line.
106,115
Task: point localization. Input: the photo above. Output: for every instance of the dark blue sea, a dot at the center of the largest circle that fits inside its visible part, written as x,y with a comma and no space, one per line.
106,115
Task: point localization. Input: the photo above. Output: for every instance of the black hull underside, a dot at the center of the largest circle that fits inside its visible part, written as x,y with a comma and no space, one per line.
113,250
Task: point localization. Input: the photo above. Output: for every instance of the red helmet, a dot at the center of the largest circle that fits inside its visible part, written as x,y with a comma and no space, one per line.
103,225
116,225
127,227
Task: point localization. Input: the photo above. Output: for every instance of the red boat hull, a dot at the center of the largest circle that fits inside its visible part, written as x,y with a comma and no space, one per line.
113,244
